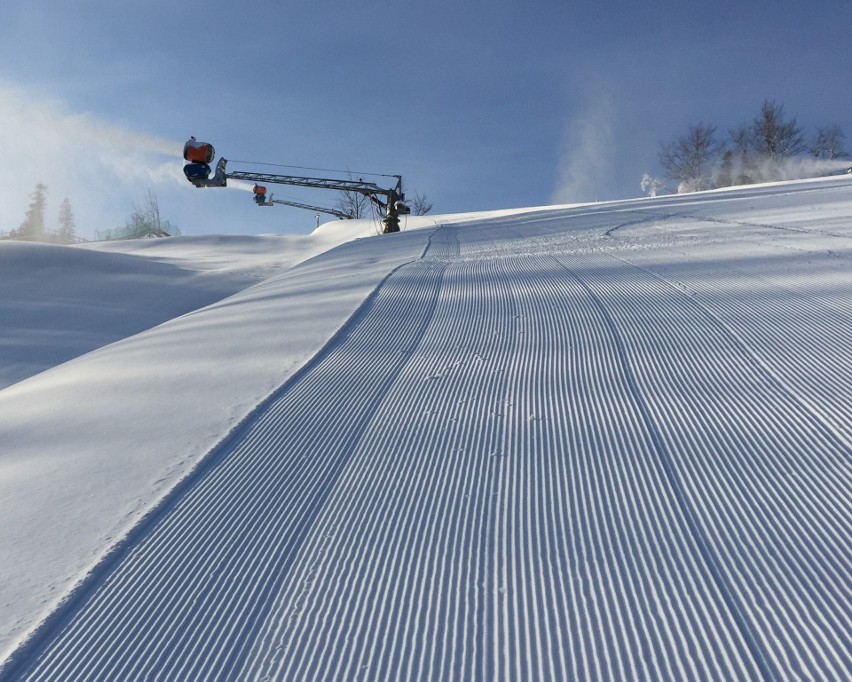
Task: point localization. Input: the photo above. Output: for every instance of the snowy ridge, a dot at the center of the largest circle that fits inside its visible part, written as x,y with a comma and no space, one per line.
586,443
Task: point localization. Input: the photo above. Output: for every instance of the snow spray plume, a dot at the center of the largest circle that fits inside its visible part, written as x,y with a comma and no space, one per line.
755,170
241,185
800,167
650,185
585,161
72,153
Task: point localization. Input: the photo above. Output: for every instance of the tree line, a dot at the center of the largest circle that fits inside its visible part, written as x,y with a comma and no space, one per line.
34,228
145,221
771,147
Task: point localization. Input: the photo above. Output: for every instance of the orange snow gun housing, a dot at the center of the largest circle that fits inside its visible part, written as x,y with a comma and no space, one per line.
198,152
260,195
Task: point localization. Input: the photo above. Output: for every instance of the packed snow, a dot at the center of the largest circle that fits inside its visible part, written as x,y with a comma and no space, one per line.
605,441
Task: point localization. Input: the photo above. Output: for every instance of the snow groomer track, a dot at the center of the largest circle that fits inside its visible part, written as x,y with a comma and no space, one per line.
607,443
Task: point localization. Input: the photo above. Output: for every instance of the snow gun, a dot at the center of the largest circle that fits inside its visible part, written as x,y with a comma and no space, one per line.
199,156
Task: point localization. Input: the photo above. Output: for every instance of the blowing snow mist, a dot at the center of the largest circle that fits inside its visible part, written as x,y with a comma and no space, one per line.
99,166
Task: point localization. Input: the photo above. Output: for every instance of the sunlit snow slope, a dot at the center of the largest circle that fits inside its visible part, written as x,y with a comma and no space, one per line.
601,442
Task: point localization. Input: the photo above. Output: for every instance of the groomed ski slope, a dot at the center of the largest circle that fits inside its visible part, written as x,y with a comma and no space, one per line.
604,442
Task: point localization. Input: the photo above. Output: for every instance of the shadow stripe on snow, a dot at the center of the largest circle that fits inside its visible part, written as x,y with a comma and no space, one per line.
735,608
27,657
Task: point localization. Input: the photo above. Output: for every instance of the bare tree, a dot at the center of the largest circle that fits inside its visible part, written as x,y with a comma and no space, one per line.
690,158
353,204
726,173
773,136
761,150
828,143
145,219
743,171
420,205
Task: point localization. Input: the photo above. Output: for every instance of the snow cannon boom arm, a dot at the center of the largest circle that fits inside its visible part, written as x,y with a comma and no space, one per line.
393,206
199,155
261,198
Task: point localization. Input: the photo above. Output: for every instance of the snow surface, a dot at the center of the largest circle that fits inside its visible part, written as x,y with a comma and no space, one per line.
608,441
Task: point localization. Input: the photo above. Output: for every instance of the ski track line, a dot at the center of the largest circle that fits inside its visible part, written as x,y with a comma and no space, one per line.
826,602
178,505
834,471
828,594
515,595
767,226
814,364
832,609
536,460
684,503
404,637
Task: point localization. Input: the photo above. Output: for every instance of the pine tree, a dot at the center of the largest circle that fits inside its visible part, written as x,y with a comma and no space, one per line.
67,226
33,226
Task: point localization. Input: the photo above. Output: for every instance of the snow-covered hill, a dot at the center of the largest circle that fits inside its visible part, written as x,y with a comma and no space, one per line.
610,441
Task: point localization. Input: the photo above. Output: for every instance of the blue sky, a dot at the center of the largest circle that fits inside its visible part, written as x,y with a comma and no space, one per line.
478,105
